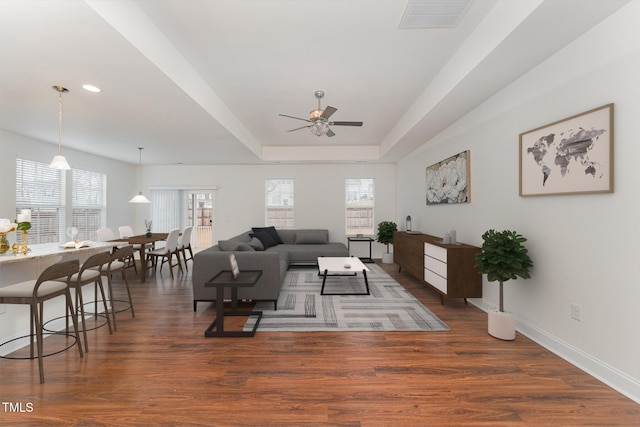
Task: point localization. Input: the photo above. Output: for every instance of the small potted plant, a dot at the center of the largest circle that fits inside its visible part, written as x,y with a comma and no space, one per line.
503,258
385,236
147,225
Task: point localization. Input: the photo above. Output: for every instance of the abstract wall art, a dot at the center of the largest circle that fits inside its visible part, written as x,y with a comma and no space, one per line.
448,181
570,156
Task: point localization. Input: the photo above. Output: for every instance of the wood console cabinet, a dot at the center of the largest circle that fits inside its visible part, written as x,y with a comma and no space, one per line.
449,269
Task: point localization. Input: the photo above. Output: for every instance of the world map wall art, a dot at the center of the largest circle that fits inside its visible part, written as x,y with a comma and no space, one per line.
448,180
570,156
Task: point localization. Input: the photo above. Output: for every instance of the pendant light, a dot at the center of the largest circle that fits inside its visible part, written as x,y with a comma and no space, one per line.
59,162
139,198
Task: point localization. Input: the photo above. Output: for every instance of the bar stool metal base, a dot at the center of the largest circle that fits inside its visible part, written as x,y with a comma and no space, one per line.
35,356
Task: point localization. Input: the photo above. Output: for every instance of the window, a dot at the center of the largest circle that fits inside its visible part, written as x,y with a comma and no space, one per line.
41,189
279,203
359,206
88,202
202,205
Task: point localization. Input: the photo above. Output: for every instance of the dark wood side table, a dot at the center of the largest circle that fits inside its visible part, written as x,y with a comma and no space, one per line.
225,279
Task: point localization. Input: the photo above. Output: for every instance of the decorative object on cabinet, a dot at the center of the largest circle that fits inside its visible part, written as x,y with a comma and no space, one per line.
448,269
503,258
385,236
570,156
449,181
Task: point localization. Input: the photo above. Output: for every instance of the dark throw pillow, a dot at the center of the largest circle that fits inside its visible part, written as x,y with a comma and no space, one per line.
265,238
271,231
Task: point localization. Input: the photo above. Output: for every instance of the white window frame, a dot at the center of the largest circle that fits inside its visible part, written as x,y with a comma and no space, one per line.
279,203
359,206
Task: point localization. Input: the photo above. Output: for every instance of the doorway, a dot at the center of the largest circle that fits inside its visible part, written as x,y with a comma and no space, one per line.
200,216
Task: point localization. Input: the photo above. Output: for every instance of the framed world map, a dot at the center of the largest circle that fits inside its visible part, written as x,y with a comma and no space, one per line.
570,156
448,180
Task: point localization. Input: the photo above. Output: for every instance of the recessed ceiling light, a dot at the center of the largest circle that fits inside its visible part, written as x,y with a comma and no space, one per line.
91,88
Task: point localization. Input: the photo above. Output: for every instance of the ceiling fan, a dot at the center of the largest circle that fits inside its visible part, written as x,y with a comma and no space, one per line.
319,119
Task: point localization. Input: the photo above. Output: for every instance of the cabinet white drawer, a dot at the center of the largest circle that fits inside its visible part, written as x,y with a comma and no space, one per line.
435,252
435,265
435,280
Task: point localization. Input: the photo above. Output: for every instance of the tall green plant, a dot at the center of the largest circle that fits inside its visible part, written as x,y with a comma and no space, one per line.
503,258
385,233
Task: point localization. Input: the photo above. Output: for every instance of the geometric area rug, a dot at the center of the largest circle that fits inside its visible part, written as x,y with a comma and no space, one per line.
390,307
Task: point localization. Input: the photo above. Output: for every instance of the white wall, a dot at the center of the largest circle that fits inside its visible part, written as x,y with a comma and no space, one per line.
319,193
586,248
120,176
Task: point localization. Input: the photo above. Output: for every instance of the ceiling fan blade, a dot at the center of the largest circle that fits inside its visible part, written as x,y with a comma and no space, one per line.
345,123
301,127
297,118
330,133
328,111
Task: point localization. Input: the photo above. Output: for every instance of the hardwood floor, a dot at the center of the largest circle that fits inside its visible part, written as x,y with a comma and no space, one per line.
158,369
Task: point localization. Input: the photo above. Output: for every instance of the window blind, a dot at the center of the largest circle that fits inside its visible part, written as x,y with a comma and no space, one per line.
168,208
88,202
41,189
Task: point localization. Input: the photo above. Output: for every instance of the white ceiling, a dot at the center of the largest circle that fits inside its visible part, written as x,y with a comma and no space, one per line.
203,81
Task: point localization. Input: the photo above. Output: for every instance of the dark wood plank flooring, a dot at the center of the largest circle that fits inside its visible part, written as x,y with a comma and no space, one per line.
158,369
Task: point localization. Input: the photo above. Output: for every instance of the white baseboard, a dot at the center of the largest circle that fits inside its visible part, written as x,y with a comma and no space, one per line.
598,369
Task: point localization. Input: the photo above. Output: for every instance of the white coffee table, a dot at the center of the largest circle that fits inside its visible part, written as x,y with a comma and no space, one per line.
342,266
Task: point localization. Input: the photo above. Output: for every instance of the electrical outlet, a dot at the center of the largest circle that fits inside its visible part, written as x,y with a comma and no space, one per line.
575,311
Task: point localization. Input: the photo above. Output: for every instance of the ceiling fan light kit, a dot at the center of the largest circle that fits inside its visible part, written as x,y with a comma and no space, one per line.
315,115
319,129
319,119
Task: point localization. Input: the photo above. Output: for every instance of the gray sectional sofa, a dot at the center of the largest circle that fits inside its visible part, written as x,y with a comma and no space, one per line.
267,249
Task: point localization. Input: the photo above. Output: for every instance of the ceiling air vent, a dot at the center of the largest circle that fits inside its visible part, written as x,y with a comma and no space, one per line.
433,13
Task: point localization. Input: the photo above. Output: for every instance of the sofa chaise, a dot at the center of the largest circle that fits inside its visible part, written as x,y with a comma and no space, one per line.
267,249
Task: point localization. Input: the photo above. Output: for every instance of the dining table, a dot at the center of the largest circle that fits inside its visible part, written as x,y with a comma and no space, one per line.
143,240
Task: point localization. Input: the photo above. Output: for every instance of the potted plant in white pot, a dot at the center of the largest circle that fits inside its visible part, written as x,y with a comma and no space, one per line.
503,258
385,236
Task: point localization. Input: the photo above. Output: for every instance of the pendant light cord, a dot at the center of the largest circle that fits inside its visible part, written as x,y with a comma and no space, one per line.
59,122
61,90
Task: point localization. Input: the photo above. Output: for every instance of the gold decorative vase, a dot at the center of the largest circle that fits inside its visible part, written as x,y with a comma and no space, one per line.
4,245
